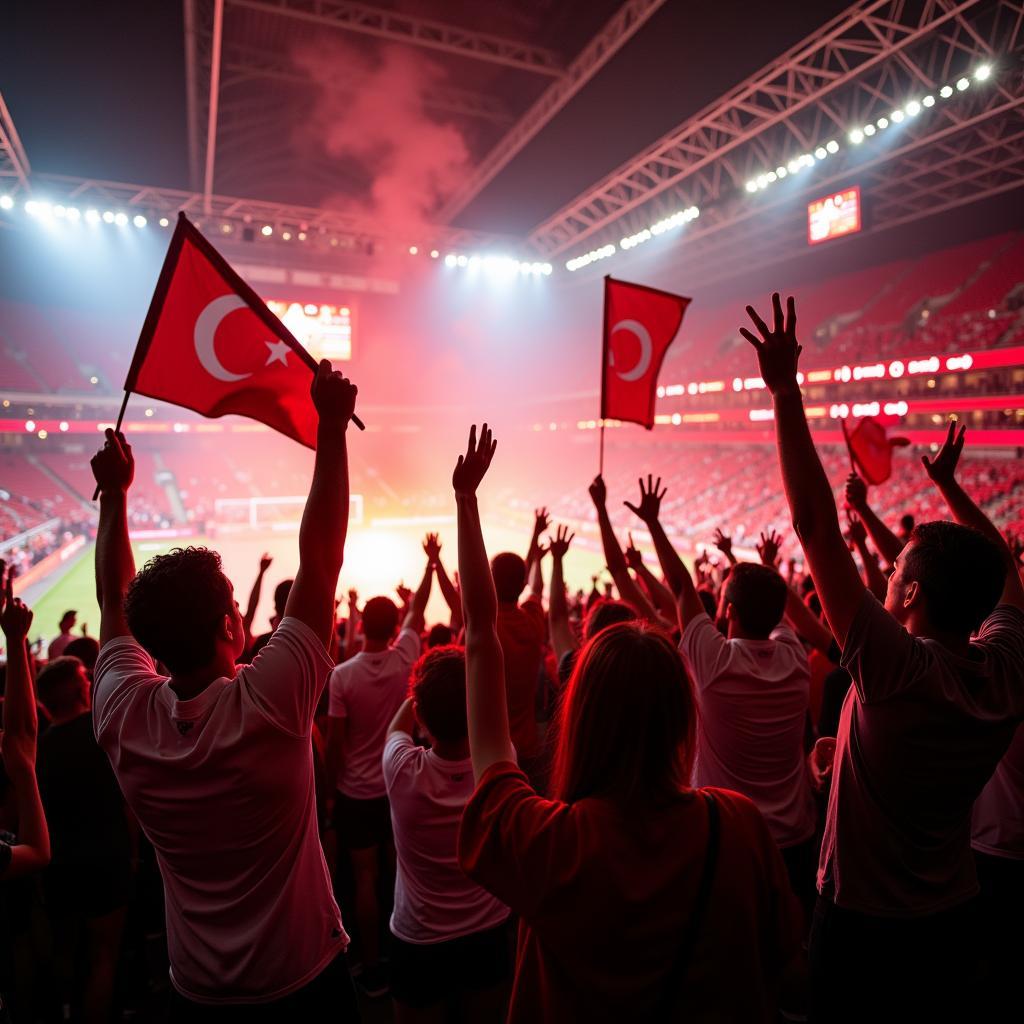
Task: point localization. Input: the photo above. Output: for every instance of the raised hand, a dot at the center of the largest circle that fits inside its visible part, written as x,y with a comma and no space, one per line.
471,467
432,548
334,395
856,492
723,542
403,592
942,469
113,466
541,521
856,533
598,491
777,349
559,544
353,598
265,562
15,616
768,548
633,557
650,500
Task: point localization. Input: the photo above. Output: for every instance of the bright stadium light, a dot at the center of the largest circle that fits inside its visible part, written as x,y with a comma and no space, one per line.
92,216
164,222
450,260
434,254
769,177
462,260
913,108
266,231
962,83
59,210
928,101
869,130
821,152
896,116
6,203
856,136
946,91
108,217
832,146
139,221
120,219
74,214
882,123
751,186
982,73
781,172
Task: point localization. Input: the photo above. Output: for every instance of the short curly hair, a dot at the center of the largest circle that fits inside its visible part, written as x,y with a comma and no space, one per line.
175,604
438,685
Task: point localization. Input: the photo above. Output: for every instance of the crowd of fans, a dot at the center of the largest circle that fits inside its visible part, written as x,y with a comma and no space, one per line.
751,791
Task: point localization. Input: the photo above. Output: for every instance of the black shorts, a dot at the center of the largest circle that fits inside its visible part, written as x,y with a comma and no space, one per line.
360,824
92,890
427,974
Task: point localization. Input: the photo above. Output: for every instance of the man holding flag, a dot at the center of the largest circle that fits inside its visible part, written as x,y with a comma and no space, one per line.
214,759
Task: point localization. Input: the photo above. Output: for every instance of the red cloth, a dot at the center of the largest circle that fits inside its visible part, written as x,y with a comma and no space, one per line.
521,632
210,344
639,325
604,894
871,449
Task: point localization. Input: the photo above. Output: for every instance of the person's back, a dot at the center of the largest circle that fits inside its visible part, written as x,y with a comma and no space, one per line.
606,894
753,691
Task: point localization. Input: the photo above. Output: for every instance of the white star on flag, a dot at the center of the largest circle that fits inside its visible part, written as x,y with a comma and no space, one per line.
278,352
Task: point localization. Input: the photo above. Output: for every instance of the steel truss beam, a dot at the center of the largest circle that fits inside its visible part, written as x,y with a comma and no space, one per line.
404,28
156,202
244,64
622,26
856,67
13,160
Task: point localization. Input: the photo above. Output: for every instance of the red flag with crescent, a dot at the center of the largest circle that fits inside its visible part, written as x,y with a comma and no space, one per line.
871,449
639,325
210,344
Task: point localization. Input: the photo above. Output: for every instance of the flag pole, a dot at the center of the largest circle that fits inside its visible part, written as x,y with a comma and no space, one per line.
600,463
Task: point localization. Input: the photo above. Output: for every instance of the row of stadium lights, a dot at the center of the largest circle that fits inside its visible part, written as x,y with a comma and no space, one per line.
45,211
794,166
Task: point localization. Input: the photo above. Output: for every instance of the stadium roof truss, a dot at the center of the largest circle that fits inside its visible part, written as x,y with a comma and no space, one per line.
225,62
874,57
13,161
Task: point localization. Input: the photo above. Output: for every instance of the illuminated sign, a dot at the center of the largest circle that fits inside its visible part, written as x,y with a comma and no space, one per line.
833,216
324,331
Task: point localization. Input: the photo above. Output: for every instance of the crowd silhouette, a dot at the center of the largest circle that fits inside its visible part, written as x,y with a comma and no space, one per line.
727,793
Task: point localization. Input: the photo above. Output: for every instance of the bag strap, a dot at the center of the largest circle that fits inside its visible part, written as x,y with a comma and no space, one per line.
684,954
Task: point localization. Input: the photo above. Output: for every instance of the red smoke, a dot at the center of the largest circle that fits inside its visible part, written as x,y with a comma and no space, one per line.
370,111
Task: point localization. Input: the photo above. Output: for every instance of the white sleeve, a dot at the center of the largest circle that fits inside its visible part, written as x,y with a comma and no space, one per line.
407,646
705,651
336,706
121,667
287,677
398,750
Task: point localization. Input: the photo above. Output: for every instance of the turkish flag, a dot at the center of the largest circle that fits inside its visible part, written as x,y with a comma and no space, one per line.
871,449
639,325
209,343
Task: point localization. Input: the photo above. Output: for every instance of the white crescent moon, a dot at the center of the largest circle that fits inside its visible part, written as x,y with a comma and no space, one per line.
206,327
641,334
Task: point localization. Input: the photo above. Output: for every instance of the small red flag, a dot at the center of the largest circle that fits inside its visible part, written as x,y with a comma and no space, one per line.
210,344
871,449
639,325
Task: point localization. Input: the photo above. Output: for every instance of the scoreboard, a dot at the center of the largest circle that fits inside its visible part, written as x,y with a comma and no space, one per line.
834,215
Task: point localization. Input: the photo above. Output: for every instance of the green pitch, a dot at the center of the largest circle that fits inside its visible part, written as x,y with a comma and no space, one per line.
77,589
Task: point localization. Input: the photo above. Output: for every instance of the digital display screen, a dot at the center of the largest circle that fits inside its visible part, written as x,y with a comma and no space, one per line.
833,216
325,331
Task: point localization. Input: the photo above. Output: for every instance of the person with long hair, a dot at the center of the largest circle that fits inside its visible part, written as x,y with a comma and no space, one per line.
639,897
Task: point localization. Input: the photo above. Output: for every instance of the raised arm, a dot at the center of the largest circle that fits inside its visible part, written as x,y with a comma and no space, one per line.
541,521
888,544
661,597
723,542
858,536
254,599
563,639
808,493
325,517
628,589
32,850
486,708
418,604
451,596
113,466
942,471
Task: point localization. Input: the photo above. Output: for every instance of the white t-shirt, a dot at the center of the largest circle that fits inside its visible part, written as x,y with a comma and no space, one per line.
753,697
997,824
58,645
367,690
222,785
434,900
921,732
